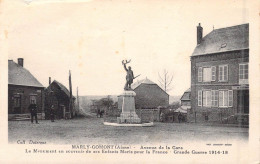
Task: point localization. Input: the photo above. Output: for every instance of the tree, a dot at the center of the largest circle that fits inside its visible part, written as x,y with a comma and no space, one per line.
165,80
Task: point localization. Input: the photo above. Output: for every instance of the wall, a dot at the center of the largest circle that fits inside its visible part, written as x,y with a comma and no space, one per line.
185,103
150,96
25,92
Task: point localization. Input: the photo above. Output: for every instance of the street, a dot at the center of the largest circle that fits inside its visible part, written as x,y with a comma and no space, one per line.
92,130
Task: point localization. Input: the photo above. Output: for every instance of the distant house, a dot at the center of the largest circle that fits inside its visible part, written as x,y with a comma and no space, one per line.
185,99
59,96
23,89
185,106
148,95
219,76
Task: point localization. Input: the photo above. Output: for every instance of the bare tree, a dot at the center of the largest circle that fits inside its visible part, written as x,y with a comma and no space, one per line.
165,80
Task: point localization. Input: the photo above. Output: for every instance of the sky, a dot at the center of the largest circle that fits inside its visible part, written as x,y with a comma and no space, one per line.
91,38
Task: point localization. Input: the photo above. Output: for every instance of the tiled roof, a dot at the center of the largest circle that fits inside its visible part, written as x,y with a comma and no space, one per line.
18,75
224,39
186,95
63,88
144,81
181,110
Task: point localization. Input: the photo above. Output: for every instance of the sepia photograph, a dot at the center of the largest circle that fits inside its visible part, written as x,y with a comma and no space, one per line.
168,79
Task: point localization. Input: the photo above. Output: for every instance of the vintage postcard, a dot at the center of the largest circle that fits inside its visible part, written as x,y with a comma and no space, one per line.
118,81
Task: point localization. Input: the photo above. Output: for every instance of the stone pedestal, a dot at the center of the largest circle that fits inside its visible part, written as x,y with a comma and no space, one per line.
128,114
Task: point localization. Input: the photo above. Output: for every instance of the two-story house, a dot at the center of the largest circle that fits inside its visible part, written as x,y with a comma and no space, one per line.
219,76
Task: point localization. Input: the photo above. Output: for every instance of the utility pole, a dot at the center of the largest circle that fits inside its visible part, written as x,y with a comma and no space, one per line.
70,105
78,98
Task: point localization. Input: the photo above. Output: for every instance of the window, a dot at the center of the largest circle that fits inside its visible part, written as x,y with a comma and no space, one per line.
225,98
223,73
207,98
230,98
213,73
214,98
207,74
33,99
200,74
243,73
199,98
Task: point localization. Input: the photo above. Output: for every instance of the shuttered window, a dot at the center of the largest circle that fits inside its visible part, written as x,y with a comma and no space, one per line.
207,74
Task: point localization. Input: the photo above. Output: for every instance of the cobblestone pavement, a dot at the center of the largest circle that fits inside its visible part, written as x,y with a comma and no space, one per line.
92,130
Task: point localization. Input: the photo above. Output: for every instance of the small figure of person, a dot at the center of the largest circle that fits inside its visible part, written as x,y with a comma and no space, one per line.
179,117
98,112
52,112
33,109
162,117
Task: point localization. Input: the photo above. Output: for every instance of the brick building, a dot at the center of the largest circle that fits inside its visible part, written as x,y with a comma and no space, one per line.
148,95
23,89
219,76
59,96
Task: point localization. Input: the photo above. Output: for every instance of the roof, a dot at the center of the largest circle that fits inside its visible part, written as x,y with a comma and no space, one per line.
63,88
188,90
224,39
144,81
186,95
18,75
181,110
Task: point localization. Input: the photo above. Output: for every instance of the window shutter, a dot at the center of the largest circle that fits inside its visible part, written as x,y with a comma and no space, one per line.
230,98
221,99
199,98
200,74
225,73
220,73
225,97
213,73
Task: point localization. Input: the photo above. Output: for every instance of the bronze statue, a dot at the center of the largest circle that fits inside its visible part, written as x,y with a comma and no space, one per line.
129,75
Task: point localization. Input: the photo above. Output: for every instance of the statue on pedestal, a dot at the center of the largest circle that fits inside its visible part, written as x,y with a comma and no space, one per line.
129,75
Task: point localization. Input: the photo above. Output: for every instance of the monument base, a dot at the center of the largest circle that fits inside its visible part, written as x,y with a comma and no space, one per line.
128,118
128,114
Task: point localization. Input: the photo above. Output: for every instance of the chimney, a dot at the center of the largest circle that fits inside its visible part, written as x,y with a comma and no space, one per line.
199,34
20,61
49,80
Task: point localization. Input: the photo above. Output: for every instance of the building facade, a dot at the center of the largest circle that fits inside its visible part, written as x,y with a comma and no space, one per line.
23,89
59,96
219,76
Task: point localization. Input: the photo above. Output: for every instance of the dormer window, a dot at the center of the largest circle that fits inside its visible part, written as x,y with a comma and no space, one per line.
223,45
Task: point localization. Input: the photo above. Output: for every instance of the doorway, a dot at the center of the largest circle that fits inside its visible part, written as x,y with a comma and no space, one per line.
17,104
243,101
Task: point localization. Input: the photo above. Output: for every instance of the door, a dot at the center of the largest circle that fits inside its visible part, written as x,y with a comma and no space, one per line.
243,101
17,104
